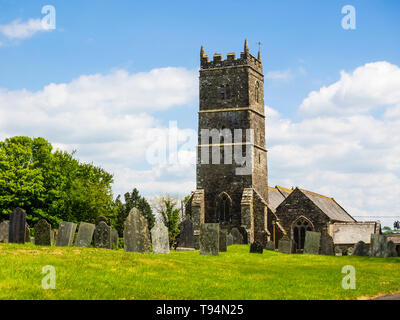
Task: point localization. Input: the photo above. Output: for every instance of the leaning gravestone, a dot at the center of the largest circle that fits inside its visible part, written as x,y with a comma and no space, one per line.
312,242
229,240
285,245
186,235
65,234
4,230
43,233
390,250
256,247
209,238
360,249
237,236
17,227
270,246
160,238
136,233
85,234
102,236
223,233
327,245
114,238
378,245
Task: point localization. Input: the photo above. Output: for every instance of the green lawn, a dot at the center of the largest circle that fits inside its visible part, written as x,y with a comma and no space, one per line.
88,273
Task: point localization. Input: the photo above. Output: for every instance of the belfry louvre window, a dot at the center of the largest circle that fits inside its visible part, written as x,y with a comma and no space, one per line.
257,92
225,93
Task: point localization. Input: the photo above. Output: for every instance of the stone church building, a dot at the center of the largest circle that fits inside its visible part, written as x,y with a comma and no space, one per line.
231,137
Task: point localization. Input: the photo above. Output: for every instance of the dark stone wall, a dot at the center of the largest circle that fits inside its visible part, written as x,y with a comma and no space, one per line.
296,205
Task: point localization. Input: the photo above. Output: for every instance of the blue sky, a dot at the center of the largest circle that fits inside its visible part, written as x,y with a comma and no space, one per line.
304,49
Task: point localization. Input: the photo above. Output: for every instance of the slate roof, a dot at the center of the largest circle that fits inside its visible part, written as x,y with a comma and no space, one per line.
328,205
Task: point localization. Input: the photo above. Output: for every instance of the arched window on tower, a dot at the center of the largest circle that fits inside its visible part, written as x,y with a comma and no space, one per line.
257,91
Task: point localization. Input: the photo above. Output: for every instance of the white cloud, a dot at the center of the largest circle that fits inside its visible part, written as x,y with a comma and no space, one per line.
342,149
110,120
18,29
370,87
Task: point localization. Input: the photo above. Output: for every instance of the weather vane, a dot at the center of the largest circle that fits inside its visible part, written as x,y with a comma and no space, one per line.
259,45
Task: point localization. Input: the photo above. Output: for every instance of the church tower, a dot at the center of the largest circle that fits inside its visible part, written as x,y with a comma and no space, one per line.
231,173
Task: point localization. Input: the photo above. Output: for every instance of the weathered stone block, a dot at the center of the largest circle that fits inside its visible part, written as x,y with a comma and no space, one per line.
85,234
312,242
136,233
160,238
209,239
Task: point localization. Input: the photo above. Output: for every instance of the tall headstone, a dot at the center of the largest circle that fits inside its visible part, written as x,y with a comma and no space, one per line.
17,227
327,245
209,238
256,247
223,234
114,238
42,233
160,238
378,245
65,234
229,240
4,230
102,236
186,235
27,233
390,250
237,236
312,242
136,233
360,249
85,234
285,245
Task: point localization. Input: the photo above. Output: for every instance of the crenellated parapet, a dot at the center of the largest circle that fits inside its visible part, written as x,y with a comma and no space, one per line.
245,59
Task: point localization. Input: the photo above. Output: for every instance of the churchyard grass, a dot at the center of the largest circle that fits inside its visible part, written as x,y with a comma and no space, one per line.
89,273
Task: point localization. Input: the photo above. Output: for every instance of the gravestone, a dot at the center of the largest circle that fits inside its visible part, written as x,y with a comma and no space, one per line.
186,235
102,218
85,234
209,238
390,250
360,249
327,245
378,245
229,240
349,251
237,236
160,238
42,233
270,246
4,230
114,238
102,236
312,242
338,252
223,234
285,245
27,233
256,247
136,233
17,227
65,234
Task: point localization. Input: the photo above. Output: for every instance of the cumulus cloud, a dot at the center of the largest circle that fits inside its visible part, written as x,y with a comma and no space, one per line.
18,29
342,148
110,119
370,87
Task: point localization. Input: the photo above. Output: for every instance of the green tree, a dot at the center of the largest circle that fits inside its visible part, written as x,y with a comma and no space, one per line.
170,216
132,200
54,186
